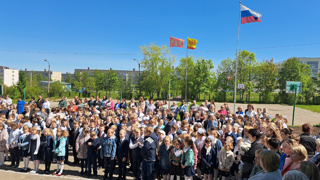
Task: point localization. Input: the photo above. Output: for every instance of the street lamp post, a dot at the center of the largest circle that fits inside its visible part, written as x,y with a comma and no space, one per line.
139,76
48,76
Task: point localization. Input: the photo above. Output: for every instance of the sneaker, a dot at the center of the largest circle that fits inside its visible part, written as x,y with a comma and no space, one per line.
59,174
33,172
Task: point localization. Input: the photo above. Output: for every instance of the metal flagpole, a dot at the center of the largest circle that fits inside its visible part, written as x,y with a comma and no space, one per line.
169,75
235,74
186,74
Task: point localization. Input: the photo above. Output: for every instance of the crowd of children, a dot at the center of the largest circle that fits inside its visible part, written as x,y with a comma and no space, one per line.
147,137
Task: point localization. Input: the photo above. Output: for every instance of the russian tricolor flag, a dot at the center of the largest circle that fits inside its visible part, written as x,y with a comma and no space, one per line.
249,16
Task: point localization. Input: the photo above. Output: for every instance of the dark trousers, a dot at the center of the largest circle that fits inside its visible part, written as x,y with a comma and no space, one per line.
147,170
75,154
136,166
92,160
181,115
83,163
122,168
15,158
100,160
66,158
108,167
47,164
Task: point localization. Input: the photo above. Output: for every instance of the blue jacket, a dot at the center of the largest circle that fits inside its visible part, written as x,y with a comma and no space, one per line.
93,149
209,160
164,157
122,149
108,147
20,106
24,141
46,146
61,150
148,151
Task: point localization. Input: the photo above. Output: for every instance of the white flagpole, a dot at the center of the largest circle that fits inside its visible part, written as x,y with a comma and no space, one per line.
235,74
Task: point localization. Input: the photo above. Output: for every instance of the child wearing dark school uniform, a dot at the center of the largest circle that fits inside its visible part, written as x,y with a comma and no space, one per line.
187,160
108,152
13,145
23,144
136,143
164,161
34,148
101,136
208,158
122,154
74,133
92,153
46,144
59,148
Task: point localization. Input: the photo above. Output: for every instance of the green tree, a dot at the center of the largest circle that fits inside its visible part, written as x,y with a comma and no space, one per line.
266,79
111,81
246,70
76,82
293,70
39,77
90,85
156,65
31,79
68,78
99,79
33,91
225,82
56,88
181,69
22,83
203,78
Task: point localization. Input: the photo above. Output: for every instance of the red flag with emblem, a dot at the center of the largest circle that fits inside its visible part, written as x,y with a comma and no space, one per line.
175,42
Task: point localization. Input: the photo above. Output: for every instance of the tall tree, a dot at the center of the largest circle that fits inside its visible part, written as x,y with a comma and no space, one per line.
111,80
203,77
22,83
90,84
266,79
293,70
156,63
76,83
99,80
246,70
68,78
225,75
181,69
56,88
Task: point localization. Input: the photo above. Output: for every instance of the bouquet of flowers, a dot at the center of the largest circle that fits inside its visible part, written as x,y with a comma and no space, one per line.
244,147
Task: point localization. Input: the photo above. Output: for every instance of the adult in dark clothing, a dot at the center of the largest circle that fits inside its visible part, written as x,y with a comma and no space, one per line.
91,102
40,102
32,101
307,140
248,157
97,102
123,105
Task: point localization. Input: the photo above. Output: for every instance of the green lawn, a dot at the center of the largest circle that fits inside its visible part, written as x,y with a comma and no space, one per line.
314,108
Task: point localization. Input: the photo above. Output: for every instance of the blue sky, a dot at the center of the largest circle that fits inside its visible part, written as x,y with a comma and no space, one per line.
31,29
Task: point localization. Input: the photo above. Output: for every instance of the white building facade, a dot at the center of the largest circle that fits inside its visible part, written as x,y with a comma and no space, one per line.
8,76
